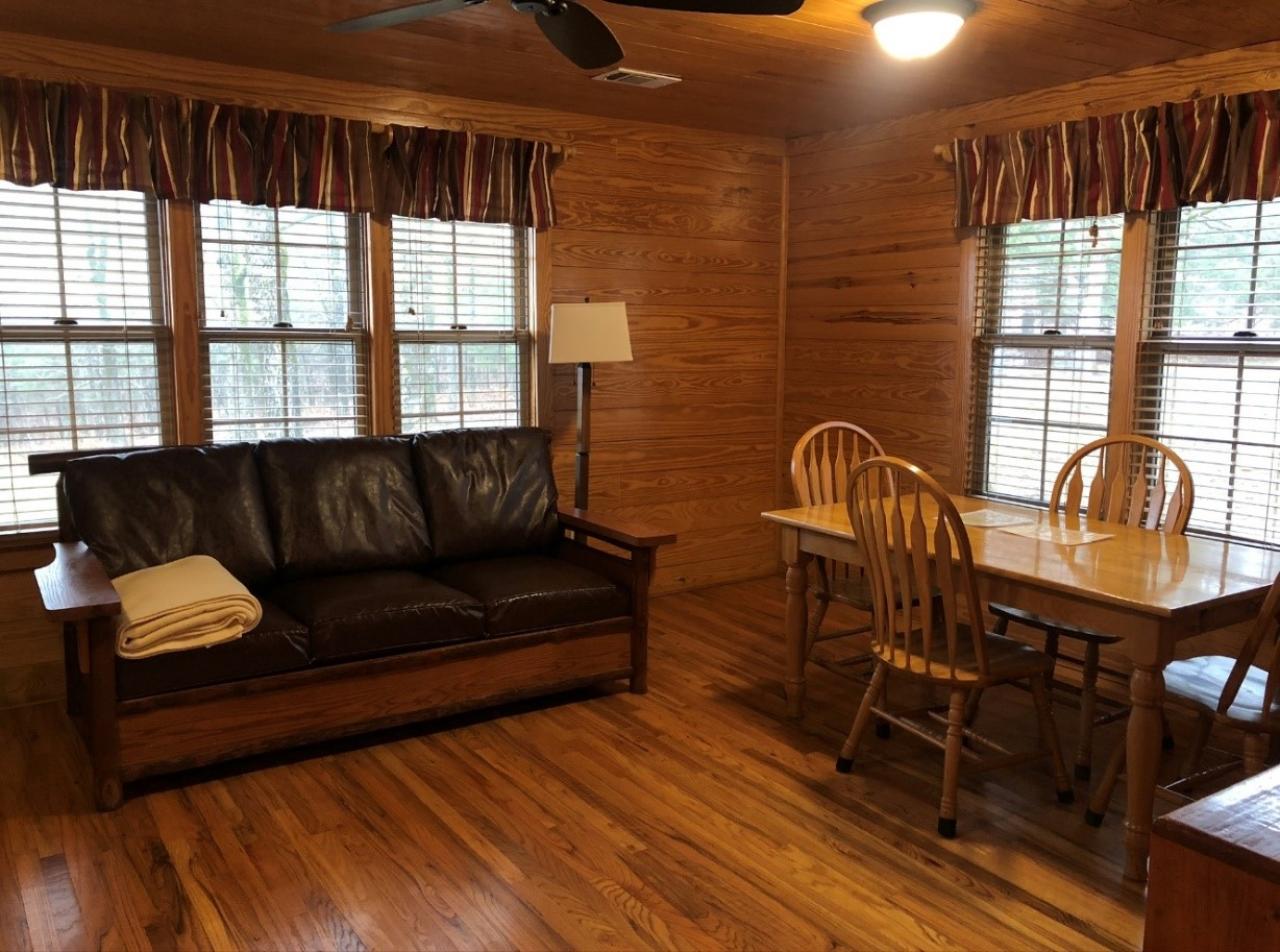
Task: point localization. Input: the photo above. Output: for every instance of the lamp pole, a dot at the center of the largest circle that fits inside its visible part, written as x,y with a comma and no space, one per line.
582,463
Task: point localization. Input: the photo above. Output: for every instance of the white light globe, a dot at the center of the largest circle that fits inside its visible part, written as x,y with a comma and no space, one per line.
909,36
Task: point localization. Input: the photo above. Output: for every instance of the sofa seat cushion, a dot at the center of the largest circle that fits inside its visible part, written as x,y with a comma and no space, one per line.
367,613
278,644
528,592
136,510
343,505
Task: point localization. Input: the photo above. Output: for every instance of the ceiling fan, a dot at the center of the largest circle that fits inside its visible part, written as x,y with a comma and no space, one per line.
571,27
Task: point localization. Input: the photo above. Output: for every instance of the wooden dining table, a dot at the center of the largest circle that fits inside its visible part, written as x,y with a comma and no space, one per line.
1149,588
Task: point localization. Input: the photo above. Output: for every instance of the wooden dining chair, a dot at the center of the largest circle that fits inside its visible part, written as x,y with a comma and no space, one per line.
1242,693
914,544
820,466
1127,480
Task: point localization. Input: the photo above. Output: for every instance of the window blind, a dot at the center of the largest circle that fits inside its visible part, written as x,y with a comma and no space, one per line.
461,323
83,345
284,331
1209,368
1046,304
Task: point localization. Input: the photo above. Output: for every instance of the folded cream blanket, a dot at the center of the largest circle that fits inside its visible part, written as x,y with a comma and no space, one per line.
191,603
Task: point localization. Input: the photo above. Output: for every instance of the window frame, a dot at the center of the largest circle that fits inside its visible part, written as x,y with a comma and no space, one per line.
65,332
357,332
1133,370
182,336
986,336
1157,342
523,334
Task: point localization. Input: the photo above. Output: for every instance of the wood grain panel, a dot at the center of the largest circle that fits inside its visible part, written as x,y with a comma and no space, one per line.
30,645
574,249
683,225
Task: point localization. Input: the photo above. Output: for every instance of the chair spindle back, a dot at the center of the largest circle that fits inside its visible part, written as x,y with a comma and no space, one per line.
914,545
1129,484
823,458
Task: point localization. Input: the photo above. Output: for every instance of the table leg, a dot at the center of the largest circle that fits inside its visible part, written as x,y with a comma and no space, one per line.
1143,745
797,625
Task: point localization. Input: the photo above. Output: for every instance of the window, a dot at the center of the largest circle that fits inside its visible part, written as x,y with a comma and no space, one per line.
1209,372
461,324
1047,296
284,331
83,344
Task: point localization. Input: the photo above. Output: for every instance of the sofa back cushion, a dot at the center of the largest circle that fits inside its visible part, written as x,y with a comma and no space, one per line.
343,505
148,507
488,491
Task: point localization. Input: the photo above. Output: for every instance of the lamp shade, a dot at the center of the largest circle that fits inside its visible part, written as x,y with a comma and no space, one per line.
589,333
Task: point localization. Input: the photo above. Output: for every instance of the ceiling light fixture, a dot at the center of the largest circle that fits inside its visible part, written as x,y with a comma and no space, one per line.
914,29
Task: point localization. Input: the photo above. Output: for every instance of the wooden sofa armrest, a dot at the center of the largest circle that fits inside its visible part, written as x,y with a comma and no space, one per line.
75,586
620,532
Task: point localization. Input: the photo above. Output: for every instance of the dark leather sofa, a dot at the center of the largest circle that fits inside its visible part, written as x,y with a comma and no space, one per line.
400,578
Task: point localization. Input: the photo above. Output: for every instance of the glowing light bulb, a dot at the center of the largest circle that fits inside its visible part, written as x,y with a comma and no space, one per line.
915,29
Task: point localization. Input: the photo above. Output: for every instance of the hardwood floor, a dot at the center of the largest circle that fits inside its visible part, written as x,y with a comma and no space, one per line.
692,817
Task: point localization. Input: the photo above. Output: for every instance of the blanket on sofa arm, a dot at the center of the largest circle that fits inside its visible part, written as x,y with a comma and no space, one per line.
191,603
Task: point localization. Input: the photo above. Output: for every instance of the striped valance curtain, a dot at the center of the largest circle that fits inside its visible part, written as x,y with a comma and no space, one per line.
462,176
1215,149
82,137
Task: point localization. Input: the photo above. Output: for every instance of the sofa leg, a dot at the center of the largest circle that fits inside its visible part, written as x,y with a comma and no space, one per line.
642,573
104,738
639,682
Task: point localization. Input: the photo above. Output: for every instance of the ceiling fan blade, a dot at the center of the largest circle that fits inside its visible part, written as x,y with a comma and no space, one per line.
414,11
750,7
581,36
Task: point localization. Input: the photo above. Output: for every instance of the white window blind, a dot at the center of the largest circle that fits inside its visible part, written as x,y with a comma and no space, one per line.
461,324
83,344
284,330
1209,373
1046,307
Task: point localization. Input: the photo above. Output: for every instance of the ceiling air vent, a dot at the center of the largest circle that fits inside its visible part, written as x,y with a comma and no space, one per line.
635,77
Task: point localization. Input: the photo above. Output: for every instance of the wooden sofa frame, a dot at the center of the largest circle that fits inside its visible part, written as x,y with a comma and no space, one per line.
134,738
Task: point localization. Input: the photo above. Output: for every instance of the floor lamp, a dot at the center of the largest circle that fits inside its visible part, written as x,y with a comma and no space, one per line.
586,334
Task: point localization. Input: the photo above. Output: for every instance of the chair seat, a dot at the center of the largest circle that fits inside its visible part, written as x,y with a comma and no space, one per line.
1197,683
1007,659
528,592
1032,620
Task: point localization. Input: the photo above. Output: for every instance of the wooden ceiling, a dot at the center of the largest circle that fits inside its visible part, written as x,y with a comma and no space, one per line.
815,71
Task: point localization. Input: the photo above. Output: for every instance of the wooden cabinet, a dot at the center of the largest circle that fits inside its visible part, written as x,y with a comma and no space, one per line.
1215,872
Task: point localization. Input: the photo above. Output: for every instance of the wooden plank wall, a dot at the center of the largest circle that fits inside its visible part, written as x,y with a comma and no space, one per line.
876,284
684,225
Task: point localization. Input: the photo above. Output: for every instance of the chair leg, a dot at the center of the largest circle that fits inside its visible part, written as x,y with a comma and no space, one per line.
1088,704
822,600
1204,729
1001,627
971,707
844,763
1255,753
1101,798
1049,738
1166,734
883,730
951,765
